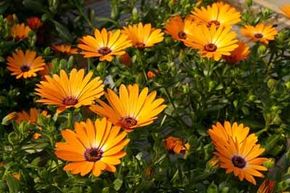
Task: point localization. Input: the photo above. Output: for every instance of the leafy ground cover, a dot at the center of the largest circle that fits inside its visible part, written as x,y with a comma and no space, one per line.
163,96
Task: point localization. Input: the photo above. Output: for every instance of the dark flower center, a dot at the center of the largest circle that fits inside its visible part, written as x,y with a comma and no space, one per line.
238,161
214,22
104,50
183,150
127,122
140,45
258,35
182,35
210,47
69,101
24,68
93,154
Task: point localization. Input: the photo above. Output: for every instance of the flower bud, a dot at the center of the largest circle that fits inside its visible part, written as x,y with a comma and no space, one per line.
271,83
262,49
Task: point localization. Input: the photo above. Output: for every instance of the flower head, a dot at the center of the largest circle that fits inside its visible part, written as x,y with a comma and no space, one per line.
150,74
130,109
65,91
20,31
286,10
11,19
92,147
34,22
217,14
65,48
31,116
143,36
8,118
104,45
25,65
36,136
212,42
179,28
239,54
259,33
267,186
176,145
237,151
16,175
213,162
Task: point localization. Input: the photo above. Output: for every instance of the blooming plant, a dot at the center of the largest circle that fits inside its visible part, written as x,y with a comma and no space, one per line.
161,96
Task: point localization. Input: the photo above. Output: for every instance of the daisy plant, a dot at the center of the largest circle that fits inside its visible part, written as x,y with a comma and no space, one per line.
165,96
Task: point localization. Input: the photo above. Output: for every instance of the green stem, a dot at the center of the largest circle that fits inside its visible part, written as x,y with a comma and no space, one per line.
140,66
90,63
144,73
70,118
169,97
179,118
262,131
269,62
85,17
271,58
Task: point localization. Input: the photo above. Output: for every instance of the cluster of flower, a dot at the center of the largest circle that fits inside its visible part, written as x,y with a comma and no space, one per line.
95,146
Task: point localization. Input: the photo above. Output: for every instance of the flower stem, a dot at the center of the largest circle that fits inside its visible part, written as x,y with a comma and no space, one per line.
70,118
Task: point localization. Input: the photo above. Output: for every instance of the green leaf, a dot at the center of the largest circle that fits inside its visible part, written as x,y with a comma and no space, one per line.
33,148
3,7
105,19
115,13
106,190
13,184
53,5
118,184
212,189
34,5
62,31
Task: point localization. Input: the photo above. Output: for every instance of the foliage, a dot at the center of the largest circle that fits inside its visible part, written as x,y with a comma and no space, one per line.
198,92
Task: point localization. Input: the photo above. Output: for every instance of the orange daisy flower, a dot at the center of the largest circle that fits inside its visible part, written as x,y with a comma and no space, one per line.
150,74
179,28
143,36
16,175
286,10
212,42
30,116
92,147
74,91
267,186
239,54
237,151
25,64
217,14
176,145
130,109
104,45
20,31
6,120
34,22
36,136
65,48
259,33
